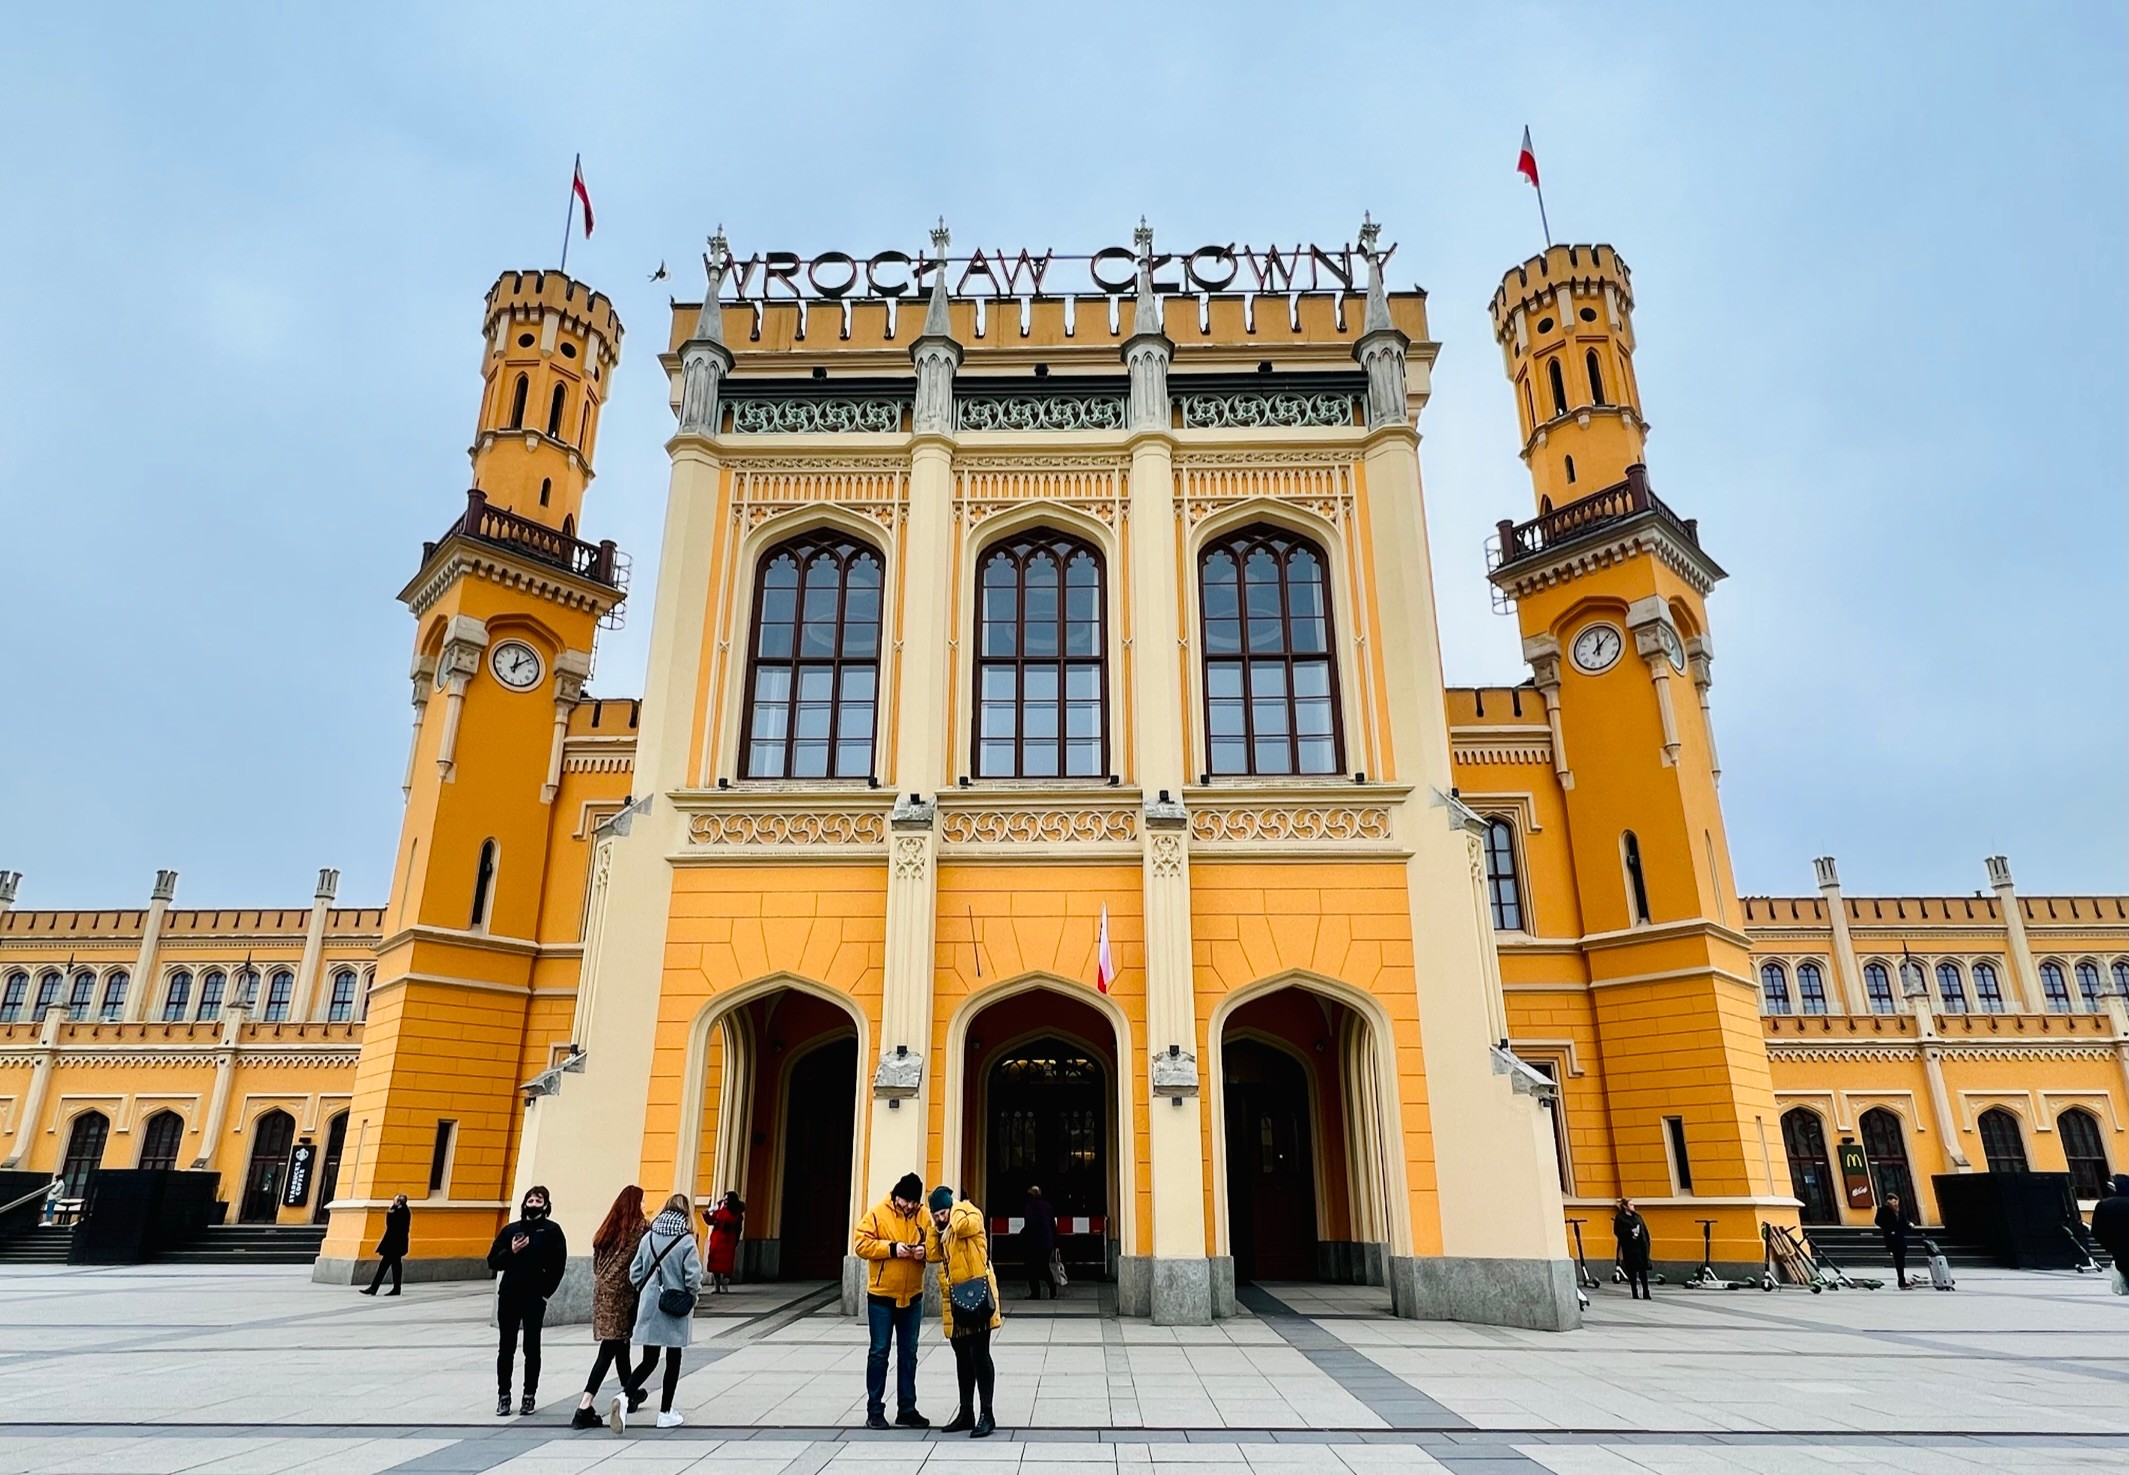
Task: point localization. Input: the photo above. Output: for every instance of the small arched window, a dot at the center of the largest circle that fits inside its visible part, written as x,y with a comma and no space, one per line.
1877,987
212,983
1559,387
1271,683
342,1007
82,996
1636,882
85,1144
569,525
483,880
2084,1151
517,402
177,997
2088,986
1596,380
2054,989
1570,462
160,1139
1502,884
1988,989
114,995
280,993
554,410
546,489
16,995
47,994
1041,660
584,421
1530,409
813,680
2001,1141
1811,988
1951,988
1774,987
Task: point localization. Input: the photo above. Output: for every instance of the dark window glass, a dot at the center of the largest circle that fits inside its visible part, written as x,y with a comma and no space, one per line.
1951,988
2085,1151
16,995
212,982
1637,883
483,879
280,992
47,994
342,1007
1885,1149
1681,1162
2001,1141
1501,883
2088,987
1810,1178
813,682
1271,679
1811,988
1774,987
1988,991
114,996
1570,461
85,1144
440,1156
1877,987
554,411
2052,986
2121,978
160,1139
1559,387
1041,660
82,995
177,998
517,403
1596,380
247,990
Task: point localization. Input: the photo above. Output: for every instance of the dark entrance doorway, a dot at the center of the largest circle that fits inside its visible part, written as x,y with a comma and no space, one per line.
329,1167
1271,1172
1886,1148
1046,1109
1810,1177
820,1117
85,1144
271,1137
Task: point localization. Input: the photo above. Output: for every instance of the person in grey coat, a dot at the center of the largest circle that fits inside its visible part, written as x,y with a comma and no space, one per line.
666,1261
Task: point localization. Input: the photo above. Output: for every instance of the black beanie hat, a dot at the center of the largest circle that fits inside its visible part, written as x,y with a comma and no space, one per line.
942,1199
911,1187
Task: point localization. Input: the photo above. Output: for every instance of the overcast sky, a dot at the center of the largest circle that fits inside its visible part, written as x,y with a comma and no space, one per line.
1878,252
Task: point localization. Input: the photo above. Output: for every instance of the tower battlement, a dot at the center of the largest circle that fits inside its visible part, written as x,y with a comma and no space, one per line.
529,295
1587,269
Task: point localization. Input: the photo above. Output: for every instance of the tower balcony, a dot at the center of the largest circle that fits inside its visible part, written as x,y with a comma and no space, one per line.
1592,531
600,562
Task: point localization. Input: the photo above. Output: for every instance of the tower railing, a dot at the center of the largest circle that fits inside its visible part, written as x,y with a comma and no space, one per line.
1629,498
598,562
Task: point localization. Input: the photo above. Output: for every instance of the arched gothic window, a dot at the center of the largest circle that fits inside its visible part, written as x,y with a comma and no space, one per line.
342,1007
2054,989
1502,884
47,993
517,402
246,995
1636,882
114,995
1774,987
2121,977
1569,461
16,995
177,997
1596,380
1885,1149
1877,988
554,410
212,982
160,1138
813,679
82,995
280,993
1559,387
1271,680
1810,1178
1810,988
2001,1141
483,881
2088,986
85,1144
2084,1150
1988,990
1041,660
1951,988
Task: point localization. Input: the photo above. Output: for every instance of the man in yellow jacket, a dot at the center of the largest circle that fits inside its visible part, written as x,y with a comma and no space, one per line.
890,1240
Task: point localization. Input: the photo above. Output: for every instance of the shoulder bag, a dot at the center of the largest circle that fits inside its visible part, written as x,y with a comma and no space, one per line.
673,1300
972,1297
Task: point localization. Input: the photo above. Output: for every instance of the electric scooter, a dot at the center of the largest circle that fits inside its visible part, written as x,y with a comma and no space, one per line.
1584,1281
1705,1278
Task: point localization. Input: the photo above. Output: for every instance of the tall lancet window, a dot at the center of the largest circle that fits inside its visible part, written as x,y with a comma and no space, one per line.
1271,679
1041,654
814,671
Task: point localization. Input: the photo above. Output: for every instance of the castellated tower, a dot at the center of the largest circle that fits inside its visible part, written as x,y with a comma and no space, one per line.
1610,586
477,971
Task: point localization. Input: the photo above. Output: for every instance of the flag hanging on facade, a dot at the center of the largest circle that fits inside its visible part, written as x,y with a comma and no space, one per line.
1104,963
576,184
1526,164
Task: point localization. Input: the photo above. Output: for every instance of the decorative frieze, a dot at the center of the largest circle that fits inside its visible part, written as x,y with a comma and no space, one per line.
1036,826
1259,409
810,415
784,827
1289,822
1042,412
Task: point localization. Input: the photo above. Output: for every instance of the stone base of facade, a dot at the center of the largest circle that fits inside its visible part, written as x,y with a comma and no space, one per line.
1352,1262
338,1271
1197,1292
1539,1294
760,1259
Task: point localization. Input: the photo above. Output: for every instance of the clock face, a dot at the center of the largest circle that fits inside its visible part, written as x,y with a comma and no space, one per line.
1668,638
1597,647
516,665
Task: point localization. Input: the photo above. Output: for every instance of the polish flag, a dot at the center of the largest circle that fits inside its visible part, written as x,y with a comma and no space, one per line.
1104,964
583,195
1526,164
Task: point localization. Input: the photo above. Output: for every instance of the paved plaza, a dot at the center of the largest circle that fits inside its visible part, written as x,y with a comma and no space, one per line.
256,1371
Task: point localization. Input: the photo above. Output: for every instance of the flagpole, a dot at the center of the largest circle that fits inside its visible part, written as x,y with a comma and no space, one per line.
569,217
1543,223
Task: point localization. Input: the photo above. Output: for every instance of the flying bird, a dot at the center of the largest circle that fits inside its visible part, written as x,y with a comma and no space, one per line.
659,274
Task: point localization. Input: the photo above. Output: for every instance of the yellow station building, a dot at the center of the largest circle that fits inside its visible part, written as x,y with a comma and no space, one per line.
992,623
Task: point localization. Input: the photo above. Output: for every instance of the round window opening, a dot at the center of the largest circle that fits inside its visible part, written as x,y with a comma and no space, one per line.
524,340
569,350
1589,314
1544,325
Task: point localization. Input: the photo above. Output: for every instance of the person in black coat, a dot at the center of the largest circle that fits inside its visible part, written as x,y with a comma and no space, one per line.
392,1249
2110,1223
1892,1223
1038,1238
530,1255
1635,1248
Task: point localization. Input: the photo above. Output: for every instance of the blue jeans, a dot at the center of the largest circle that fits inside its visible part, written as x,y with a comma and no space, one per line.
886,1320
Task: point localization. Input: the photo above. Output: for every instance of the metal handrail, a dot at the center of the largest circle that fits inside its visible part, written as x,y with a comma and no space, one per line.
1629,498
35,1193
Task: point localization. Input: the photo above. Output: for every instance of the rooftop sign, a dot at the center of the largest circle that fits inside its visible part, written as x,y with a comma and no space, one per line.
1004,273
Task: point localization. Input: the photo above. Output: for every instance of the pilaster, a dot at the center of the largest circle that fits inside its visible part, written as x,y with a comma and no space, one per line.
899,1099
308,1003
2025,977
151,939
1848,977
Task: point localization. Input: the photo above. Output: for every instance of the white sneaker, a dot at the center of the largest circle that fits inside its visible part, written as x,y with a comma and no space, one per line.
670,1421
617,1415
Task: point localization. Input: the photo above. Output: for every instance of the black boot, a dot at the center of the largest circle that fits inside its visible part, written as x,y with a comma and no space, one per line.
963,1421
585,1418
983,1428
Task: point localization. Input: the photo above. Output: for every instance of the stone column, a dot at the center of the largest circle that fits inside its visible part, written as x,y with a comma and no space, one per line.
1915,986
423,676
32,1112
1847,977
225,1069
2025,979
464,640
151,941
310,1003
571,670
1543,654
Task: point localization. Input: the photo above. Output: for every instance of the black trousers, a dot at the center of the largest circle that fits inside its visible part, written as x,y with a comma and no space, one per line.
672,1374
613,1353
1898,1250
1637,1282
1039,1276
972,1368
513,1314
391,1263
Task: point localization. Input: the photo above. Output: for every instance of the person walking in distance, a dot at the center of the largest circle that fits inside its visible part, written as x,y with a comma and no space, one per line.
668,1270
1892,1223
1038,1242
529,1255
613,1310
968,1306
392,1248
722,1253
1635,1248
890,1240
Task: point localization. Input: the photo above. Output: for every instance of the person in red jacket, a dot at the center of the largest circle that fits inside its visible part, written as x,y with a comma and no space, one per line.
723,1252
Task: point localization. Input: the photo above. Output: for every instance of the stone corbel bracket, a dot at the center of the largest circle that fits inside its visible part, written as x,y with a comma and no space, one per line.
1175,1072
1526,1078
900,1075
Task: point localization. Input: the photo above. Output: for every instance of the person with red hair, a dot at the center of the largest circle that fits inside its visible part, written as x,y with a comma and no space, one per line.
613,1310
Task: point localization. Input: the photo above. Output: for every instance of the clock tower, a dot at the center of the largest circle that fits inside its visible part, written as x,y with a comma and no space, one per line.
468,1003
1610,586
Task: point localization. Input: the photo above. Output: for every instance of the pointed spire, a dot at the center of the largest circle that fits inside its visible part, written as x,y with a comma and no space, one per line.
936,322
1145,307
1378,312
709,323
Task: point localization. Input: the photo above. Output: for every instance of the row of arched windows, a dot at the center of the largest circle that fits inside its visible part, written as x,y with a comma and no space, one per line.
1508,896
2091,992
189,995
2003,1150
162,1136
557,410
1040,670
1961,987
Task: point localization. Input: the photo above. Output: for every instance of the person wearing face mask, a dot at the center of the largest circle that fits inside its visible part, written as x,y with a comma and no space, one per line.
529,1256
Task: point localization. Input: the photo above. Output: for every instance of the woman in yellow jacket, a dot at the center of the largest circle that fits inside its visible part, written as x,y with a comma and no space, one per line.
960,1244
